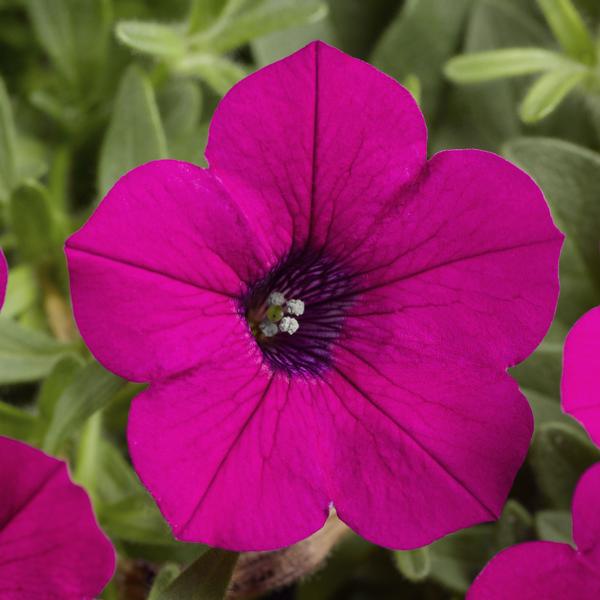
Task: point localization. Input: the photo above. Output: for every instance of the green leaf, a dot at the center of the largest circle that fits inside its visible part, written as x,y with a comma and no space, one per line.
422,37
75,34
548,92
359,25
205,579
88,454
33,223
515,525
569,29
21,292
8,144
92,388
554,526
560,453
54,384
498,64
204,13
459,557
545,408
116,477
413,85
16,423
164,578
161,41
180,104
542,371
485,115
415,565
135,134
220,73
26,355
136,519
268,16
569,176
279,44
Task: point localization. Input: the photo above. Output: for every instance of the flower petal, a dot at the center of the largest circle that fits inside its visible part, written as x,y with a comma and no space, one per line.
229,453
466,265
586,517
3,278
581,373
50,543
536,570
314,146
155,271
433,446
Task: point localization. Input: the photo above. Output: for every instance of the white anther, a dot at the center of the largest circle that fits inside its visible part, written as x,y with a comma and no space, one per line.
268,328
295,307
288,325
276,299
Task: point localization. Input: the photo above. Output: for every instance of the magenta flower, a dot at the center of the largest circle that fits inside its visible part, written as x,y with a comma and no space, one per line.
549,570
581,373
3,277
324,316
50,544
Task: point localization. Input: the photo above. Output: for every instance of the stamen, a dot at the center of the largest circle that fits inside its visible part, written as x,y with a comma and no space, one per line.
274,313
276,299
295,307
306,296
268,328
289,325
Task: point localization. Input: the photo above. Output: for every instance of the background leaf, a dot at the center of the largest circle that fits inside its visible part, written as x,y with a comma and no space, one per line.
135,134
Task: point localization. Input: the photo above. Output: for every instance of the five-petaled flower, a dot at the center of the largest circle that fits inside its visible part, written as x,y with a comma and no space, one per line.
325,316
549,570
581,373
50,543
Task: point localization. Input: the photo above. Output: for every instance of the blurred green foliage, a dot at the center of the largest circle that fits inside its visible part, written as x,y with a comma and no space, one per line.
91,88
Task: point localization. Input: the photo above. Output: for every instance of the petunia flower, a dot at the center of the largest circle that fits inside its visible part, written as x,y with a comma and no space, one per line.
3,277
549,570
50,545
581,373
325,316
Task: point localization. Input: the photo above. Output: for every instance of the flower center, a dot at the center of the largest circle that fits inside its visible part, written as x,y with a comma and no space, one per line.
296,311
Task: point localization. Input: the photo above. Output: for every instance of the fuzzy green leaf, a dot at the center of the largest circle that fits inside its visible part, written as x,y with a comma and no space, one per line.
548,92
559,455
26,355
33,223
554,526
268,16
8,144
569,29
206,579
415,565
135,134
498,64
161,41
220,73
569,176
91,389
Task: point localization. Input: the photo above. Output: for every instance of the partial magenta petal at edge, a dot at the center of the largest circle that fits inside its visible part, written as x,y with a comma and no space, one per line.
3,277
549,570
536,571
581,373
50,544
